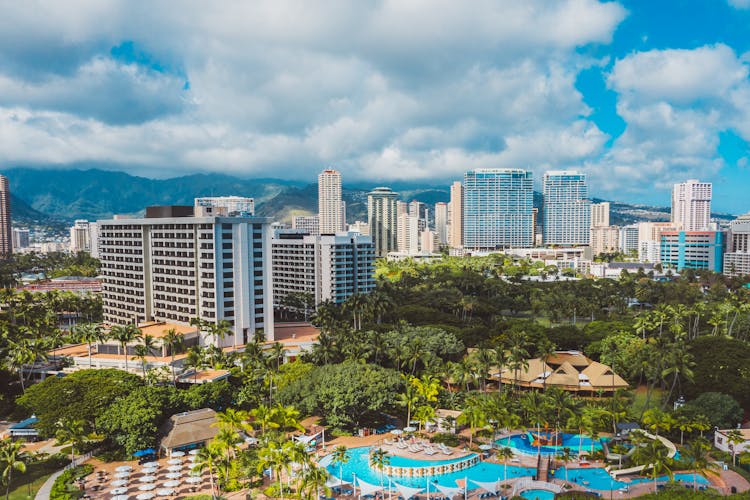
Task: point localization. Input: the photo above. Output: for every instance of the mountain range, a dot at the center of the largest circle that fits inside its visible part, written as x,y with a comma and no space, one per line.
61,196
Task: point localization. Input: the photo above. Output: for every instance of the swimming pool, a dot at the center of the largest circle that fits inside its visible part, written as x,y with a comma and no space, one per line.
359,464
538,494
597,478
524,443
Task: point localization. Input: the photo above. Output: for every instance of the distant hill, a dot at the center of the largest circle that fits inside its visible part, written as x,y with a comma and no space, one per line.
68,194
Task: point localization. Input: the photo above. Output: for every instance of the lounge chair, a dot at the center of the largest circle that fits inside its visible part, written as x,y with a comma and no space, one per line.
401,445
387,441
429,450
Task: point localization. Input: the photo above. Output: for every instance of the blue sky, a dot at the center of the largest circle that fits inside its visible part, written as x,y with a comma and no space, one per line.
638,94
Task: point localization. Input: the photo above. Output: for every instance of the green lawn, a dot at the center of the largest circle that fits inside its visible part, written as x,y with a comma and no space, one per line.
35,476
639,400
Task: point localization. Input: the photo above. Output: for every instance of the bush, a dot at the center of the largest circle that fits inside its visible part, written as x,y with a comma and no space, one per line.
446,438
63,489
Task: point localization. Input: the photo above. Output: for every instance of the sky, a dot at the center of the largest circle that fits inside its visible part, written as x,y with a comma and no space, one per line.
637,94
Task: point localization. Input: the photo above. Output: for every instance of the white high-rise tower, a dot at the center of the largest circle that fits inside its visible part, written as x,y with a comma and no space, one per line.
691,205
329,202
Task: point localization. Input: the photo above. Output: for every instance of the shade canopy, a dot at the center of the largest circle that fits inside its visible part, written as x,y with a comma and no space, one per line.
147,479
124,468
173,475
119,482
194,452
119,491
448,491
488,487
172,484
367,488
174,461
122,475
165,492
407,492
194,480
151,464
147,487
174,468
334,481
143,453
145,496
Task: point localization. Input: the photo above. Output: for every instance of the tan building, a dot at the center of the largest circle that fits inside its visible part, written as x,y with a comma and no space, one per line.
600,214
455,216
329,202
604,239
6,233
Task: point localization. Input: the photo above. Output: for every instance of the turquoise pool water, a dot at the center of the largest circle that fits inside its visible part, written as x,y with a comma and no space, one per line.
523,443
598,479
538,494
359,464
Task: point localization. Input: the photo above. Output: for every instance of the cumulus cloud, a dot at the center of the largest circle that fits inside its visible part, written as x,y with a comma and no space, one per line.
389,89
675,104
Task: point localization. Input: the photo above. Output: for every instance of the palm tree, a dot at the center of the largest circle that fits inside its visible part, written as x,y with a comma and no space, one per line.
504,454
89,333
535,406
124,335
696,454
174,341
565,456
378,460
273,456
654,455
735,437
474,414
227,441
409,397
145,348
340,456
220,330
10,460
71,431
195,359
19,354
312,482
263,416
545,350
232,420
207,459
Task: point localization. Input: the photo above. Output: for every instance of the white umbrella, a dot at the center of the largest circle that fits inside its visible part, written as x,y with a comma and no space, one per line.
174,468
194,480
165,492
119,482
149,470
122,475
119,497
124,468
173,475
147,487
410,429
145,496
150,464
194,452
174,461
178,454
485,447
147,479
171,484
397,432
119,491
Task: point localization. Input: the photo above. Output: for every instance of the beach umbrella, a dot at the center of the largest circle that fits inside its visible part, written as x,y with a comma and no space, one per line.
410,429
194,480
143,453
145,496
194,452
119,491
149,470
174,468
122,475
119,482
147,487
165,492
119,497
178,454
147,479
173,475
124,468
150,464
171,484
397,432
485,447
174,461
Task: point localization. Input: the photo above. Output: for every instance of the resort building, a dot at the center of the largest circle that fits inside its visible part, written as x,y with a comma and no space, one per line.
326,267
188,430
172,266
498,209
692,250
309,224
721,441
628,239
569,370
383,219
604,239
228,206
691,205
737,257
567,209
649,239
80,237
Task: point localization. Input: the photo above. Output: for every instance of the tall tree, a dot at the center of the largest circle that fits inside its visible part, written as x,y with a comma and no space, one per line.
11,458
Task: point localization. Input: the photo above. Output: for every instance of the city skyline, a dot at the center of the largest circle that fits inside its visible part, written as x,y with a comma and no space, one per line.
607,88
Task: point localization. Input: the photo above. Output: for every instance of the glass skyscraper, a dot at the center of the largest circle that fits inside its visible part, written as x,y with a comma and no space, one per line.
498,208
567,209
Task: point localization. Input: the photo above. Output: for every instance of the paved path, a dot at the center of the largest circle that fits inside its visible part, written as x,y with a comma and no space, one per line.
46,489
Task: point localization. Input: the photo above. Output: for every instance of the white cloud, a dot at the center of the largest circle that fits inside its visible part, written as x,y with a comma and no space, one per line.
740,4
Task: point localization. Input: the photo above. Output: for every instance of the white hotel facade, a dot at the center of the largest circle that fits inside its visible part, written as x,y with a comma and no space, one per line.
172,266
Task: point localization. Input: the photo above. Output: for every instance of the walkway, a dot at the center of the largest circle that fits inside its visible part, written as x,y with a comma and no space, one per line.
46,489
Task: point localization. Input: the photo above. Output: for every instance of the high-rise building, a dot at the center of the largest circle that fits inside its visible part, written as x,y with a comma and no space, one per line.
21,238
737,257
6,234
600,214
80,237
407,239
567,209
498,209
228,206
327,267
456,216
329,202
628,238
649,239
94,239
692,250
360,227
427,241
171,266
382,218
307,223
691,205
441,222
604,239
